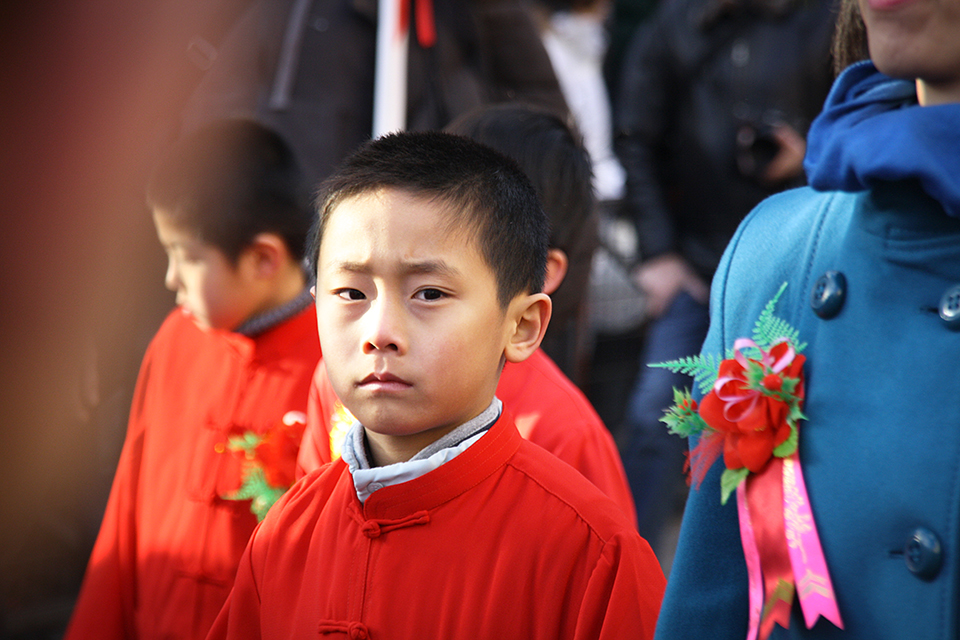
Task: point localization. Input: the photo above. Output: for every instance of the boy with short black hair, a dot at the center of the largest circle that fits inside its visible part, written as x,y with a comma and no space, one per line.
234,360
439,520
548,408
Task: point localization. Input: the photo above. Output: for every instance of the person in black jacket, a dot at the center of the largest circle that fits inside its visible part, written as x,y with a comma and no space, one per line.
714,101
306,69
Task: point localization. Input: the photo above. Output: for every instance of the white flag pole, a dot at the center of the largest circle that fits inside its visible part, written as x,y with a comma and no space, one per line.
390,76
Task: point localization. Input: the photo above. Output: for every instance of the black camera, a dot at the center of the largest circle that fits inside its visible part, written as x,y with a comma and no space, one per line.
756,147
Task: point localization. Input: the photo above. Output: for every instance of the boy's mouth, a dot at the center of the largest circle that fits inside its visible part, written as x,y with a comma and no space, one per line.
384,382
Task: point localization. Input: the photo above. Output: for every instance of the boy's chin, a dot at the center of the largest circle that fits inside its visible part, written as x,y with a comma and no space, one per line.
201,323
393,429
194,319
407,432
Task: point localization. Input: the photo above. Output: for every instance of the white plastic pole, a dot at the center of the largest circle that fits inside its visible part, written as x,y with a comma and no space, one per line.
390,76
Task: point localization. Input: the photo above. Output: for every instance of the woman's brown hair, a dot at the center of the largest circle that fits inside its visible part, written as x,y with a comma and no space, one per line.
849,37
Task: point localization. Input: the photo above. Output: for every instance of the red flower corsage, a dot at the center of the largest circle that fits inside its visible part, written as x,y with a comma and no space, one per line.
269,462
750,413
755,404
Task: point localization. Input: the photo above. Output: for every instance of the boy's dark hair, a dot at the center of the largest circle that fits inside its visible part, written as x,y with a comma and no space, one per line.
484,191
555,160
230,181
551,154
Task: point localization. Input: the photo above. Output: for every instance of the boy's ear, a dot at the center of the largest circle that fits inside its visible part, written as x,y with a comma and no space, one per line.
531,315
557,264
266,254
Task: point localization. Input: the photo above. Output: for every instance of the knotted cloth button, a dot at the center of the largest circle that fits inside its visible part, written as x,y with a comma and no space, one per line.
356,630
371,529
829,293
923,554
950,308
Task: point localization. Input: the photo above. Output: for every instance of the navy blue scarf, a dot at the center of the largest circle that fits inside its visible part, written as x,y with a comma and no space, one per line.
872,130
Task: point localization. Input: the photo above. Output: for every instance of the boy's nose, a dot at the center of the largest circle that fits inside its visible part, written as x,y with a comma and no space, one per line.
172,278
384,327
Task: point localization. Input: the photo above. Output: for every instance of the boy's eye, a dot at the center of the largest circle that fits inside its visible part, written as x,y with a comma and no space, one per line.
350,294
183,255
430,294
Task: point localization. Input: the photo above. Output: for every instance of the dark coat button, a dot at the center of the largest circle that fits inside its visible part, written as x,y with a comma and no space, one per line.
829,292
950,308
923,554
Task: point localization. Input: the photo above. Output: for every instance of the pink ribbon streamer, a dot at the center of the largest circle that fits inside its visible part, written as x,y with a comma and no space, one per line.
809,567
752,555
812,580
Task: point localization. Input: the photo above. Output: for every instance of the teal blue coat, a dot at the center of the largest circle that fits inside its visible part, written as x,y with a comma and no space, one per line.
881,447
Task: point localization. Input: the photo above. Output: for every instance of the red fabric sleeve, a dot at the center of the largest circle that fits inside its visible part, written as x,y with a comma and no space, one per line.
105,606
553,413
623,596
593,452
315,446
240,615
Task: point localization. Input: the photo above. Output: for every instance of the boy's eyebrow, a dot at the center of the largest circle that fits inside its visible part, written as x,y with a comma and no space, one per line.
407,267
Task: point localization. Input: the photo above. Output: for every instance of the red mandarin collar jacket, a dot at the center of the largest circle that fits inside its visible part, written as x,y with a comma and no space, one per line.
505,540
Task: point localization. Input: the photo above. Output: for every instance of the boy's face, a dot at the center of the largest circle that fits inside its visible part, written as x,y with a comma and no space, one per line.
209,287
411,330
